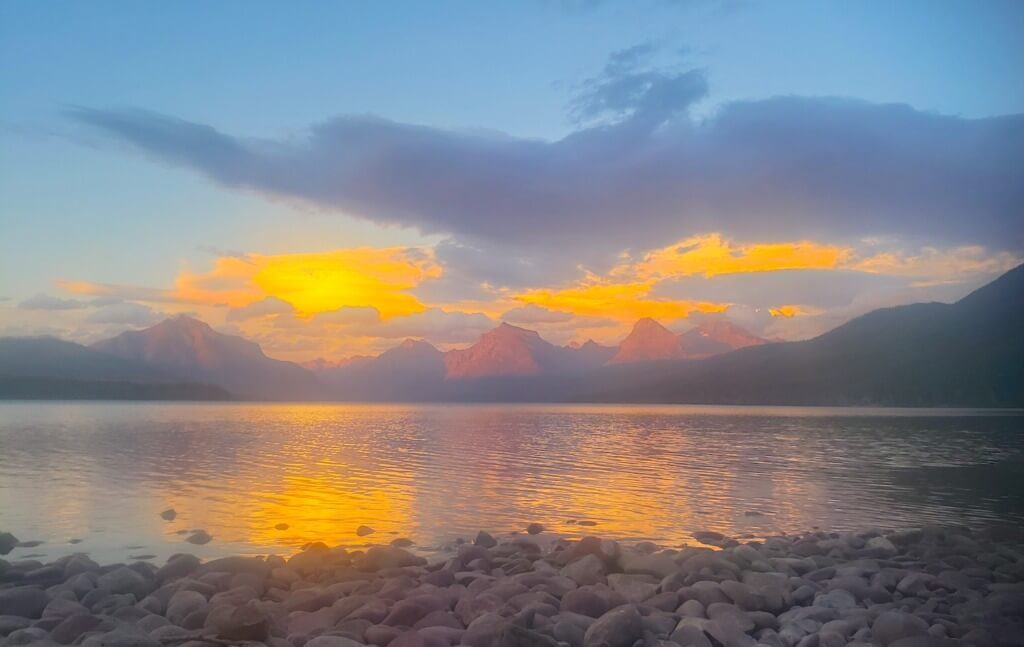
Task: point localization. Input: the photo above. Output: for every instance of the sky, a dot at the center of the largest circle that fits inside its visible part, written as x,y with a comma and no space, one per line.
330,178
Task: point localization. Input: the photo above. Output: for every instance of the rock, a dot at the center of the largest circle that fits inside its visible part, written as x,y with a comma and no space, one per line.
380,635
24,601
692,609
281,526
332,641
382,557
635,588
484,630
569,633
658,565
881,547
238,623
731,614
742,595
708,536
837,599
535,528
124,580
177,566
895,625
62,608
485,539
363,531
586,570
8,542
925,641
10,624
402,542
169,514
184,603
689,636
620,627
121,637
74,626
199,538
707,592
584,602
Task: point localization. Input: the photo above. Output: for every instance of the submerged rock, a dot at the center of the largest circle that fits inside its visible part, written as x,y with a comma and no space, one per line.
199,538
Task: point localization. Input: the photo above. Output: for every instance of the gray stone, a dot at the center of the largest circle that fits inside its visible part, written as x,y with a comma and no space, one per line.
731,614
183,603
635,588
332,641
74,626
24,601
894,625
690,636
238,623
485,539
585,570
9,624
124,580
383,557
620,627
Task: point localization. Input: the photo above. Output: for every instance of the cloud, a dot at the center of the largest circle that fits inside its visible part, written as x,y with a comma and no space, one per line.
789,168
46,302
534,314
262,308
133,314
626,90
598,297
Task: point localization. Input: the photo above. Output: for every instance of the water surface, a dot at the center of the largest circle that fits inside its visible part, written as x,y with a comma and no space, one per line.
102,472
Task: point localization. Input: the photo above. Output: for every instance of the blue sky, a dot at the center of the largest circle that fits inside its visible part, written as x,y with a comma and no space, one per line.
79,204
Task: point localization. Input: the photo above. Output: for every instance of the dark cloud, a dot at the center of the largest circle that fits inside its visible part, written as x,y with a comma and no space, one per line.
779,168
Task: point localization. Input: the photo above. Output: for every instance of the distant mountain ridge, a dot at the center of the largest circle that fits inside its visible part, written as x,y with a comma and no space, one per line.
191,349
970,353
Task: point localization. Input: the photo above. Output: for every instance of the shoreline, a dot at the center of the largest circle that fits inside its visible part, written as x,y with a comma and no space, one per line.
912,588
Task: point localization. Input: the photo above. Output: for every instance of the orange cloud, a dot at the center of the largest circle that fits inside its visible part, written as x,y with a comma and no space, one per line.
623,301
790,311
316,282
710,255
937,265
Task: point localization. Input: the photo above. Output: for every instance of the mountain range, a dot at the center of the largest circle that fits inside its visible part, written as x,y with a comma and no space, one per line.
969,353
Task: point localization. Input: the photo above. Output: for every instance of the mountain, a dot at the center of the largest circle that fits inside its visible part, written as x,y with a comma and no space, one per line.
715,337
506,351
648,341
193,351
45,367
411,371
970,353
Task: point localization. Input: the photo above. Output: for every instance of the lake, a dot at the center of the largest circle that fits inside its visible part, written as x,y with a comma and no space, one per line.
102,472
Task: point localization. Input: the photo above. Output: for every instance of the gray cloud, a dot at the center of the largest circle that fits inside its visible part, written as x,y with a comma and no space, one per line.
535,314
132,314
46,302
778,168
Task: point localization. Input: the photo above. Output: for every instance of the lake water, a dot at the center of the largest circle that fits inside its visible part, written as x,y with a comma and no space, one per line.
102,472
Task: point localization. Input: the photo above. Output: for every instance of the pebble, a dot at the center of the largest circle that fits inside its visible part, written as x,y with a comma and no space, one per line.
168,514
929,588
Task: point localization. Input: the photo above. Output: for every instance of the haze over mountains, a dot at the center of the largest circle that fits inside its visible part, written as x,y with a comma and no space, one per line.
970,353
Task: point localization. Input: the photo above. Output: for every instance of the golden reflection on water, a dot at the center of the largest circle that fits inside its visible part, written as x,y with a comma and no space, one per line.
432,473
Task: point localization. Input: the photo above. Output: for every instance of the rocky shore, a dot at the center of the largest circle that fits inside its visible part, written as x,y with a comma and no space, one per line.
917,588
